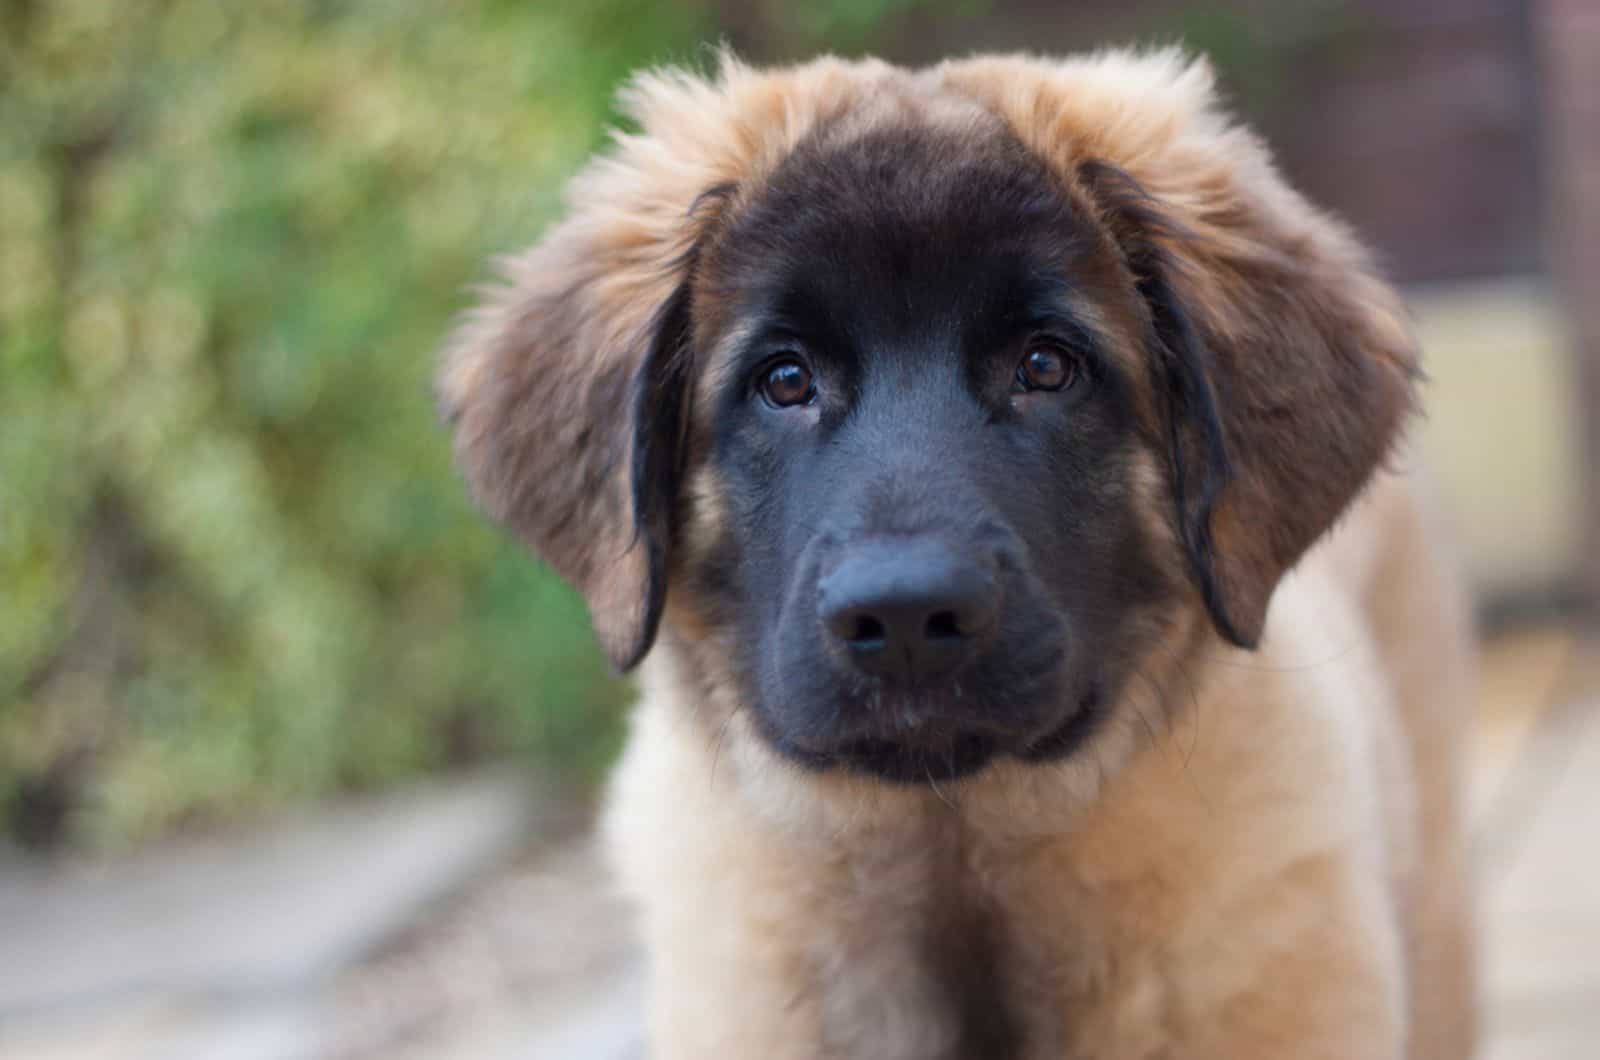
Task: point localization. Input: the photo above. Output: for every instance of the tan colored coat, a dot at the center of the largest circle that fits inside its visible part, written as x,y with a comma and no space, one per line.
1278,874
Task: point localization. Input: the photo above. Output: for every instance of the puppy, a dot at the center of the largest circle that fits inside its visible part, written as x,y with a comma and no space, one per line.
966,442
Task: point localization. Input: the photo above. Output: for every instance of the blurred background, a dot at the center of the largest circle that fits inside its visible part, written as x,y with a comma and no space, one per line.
296,752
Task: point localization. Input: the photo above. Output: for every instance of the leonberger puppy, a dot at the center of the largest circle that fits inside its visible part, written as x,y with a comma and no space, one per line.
998,471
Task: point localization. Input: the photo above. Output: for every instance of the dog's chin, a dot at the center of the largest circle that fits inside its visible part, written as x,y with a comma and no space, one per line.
901,762
944,756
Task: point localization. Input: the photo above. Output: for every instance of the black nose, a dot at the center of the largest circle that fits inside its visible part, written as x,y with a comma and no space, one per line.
910,609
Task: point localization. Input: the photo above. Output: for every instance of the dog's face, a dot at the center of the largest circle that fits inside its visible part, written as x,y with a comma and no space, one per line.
933,401
926,447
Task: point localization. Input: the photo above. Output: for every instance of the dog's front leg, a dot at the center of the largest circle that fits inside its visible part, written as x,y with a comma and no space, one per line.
753,974
1319,965
780,940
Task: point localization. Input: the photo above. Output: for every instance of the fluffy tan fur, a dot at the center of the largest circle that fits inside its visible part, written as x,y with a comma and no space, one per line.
1259,857
1277,873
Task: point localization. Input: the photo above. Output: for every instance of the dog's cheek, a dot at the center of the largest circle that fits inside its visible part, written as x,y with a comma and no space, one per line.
724,608
1149,500
707,559
799,687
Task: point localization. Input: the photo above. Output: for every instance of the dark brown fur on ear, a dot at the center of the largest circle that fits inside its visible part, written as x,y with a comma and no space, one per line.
566,393
546,431
1286,377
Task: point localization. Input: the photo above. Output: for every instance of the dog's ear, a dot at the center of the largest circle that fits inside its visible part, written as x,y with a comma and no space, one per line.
566,389
1286,363
566,394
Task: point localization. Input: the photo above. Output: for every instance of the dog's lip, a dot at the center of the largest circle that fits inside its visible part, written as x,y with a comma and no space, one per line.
950,757
907,763
1070,733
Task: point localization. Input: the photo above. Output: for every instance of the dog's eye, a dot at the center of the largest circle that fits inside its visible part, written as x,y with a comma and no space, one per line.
787,381
1046,366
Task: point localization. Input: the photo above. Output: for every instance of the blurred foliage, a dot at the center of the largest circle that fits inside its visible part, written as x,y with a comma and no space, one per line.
848,27
236,566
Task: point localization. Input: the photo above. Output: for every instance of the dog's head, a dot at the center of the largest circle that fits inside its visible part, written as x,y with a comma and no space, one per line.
932,400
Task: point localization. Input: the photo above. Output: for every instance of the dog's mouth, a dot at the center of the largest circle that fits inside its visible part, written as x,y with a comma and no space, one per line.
906,763
954,755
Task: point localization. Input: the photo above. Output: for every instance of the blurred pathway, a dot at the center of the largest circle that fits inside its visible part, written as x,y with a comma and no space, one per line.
227,946
1537,814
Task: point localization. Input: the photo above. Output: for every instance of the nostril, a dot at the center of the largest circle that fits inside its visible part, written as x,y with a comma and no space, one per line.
910,611
868,633
942,625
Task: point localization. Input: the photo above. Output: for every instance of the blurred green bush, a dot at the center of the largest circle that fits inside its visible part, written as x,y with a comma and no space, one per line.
236,566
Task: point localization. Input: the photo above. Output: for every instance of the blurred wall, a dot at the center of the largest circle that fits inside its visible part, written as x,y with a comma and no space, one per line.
1502,431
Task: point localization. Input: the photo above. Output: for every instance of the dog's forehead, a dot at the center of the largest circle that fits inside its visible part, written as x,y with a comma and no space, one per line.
935,225
909,195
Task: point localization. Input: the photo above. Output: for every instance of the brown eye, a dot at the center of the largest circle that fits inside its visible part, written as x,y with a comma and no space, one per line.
787,382
1046,366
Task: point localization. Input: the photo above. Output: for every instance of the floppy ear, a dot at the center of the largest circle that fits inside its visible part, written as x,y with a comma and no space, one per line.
566,395
1286,362
567,387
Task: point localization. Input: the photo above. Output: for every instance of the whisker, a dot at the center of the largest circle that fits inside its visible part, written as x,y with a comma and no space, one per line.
935,784
716,752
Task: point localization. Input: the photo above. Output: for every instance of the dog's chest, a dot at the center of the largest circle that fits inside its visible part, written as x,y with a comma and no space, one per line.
931,960
922,974
965,966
